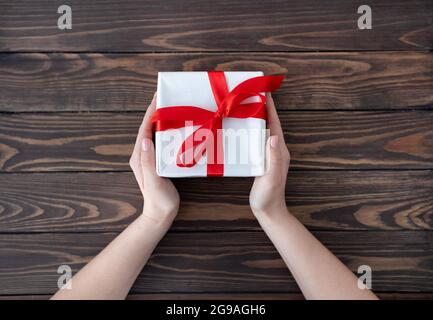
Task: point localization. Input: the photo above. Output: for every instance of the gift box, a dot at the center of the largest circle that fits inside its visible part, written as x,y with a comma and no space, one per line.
211,123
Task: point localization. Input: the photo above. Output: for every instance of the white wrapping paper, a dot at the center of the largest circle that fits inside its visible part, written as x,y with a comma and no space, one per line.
243,156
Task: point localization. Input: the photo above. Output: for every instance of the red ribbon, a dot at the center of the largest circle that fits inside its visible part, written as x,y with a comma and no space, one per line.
229,105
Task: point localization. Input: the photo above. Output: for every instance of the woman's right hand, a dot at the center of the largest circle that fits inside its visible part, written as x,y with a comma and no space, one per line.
267,195
160,197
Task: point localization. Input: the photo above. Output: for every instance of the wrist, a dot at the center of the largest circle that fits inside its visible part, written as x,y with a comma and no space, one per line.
163,217
272,212
149,227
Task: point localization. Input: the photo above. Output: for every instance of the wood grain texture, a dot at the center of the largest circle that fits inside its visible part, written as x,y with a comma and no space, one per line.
235,296
193,25
334,200
232,262
269,296
358,121
95,82
317,140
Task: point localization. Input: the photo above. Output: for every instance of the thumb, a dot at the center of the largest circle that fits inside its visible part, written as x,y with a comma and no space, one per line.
147,157
274,157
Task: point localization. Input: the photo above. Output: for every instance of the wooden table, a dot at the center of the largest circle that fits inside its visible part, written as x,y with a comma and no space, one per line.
357,112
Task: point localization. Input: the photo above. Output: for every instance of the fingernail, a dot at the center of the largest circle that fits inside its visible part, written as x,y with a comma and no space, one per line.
145,145
274,141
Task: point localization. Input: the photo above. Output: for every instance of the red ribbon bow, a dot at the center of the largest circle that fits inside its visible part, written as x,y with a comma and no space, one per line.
229,105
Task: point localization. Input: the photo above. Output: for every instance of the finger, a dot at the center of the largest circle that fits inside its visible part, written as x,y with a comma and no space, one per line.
144,129
148,160
273,155
147,125
273,120
135,161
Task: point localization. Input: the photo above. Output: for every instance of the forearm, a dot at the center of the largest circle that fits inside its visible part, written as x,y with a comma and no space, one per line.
319,274
112,272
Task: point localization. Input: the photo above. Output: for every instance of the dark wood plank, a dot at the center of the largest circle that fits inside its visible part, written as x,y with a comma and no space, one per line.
267,296
317,140
235,296
232,262
91,202
71,82
372,140
193,25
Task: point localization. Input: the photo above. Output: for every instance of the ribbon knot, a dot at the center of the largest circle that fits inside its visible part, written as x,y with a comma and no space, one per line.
219,114
229,104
